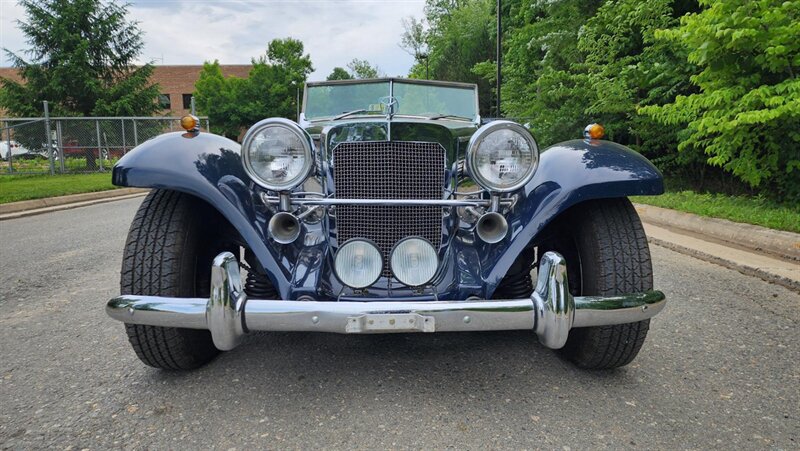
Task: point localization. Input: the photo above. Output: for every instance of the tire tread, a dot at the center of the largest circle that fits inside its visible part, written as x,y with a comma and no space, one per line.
155,263
611,231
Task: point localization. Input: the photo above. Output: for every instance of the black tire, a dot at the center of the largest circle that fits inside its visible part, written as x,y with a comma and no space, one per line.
613,258
167,254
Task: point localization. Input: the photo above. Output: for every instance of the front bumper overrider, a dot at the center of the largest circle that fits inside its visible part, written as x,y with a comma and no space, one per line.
551,311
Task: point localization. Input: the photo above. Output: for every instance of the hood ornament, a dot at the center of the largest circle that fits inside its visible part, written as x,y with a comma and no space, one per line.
390,106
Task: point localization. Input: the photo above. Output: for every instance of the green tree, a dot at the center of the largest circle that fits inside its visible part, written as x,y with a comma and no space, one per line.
287,55
628,69
746,115
414,41
270,90
363,69
274,83
82,60
570,63
460,41
542,84
339,73
220,99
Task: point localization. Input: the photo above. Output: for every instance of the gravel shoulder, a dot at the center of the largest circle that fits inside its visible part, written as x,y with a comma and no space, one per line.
719,369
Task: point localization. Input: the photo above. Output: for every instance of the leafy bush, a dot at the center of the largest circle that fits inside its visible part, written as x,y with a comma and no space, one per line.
746,115
707,89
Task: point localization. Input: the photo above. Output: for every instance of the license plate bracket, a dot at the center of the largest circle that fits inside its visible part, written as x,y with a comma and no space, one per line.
377,323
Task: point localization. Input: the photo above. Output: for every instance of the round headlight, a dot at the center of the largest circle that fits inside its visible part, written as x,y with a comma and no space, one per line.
276,153
414,261
502,156
358,263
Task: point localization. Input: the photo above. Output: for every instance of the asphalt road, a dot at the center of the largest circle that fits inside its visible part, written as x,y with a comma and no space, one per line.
720,369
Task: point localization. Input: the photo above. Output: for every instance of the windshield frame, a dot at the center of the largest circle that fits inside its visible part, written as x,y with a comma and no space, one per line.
391,81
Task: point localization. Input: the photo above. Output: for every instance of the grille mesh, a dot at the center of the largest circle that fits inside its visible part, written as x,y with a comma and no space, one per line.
388,170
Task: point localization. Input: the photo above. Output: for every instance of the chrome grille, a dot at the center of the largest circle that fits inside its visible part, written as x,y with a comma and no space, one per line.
388,170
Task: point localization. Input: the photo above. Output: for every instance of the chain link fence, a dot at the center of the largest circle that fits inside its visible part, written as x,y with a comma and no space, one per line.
62,145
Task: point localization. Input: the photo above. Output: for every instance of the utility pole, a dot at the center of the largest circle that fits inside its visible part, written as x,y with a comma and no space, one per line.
424,56
499,57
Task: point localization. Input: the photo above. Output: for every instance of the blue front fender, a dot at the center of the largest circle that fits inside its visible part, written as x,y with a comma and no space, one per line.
209,167
569,173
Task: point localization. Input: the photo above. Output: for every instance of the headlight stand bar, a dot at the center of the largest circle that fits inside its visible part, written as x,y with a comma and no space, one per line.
329,202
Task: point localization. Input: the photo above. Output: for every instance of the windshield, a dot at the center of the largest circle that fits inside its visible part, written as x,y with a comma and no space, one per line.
333,100
369,98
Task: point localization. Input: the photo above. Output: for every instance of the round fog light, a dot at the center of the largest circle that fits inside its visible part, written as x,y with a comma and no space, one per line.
358,263
414,261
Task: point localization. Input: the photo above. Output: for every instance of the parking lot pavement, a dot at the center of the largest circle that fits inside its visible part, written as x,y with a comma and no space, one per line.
719,369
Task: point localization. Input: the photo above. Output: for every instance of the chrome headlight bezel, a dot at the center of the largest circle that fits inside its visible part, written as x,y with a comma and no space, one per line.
478,139
308,152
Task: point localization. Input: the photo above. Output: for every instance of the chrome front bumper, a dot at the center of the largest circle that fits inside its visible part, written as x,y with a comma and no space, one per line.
550,311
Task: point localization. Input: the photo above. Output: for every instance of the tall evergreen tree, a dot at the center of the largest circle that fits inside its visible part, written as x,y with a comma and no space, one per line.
82,60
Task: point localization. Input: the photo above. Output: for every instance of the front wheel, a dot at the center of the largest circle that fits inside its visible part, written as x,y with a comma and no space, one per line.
169,253
607,254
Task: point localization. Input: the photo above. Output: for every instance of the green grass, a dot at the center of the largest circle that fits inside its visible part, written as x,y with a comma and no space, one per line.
42,165
747,209
14,188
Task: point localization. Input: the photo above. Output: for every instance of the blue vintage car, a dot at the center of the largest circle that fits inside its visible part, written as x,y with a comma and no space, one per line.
388,208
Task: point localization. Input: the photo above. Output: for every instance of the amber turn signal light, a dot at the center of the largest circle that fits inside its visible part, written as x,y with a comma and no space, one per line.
594,131
190,123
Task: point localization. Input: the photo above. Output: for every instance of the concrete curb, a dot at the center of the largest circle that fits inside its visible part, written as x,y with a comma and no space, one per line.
38,206
767,276
760,239
13,207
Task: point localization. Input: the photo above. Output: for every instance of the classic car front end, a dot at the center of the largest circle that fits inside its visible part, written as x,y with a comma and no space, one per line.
387,208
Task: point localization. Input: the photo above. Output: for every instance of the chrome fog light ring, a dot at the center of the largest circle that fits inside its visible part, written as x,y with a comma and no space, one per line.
414,261
358,263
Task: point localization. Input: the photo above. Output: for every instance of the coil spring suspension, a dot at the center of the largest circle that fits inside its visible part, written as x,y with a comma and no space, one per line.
258,286
515,286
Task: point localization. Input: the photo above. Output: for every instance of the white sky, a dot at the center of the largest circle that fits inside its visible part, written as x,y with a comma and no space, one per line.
232,31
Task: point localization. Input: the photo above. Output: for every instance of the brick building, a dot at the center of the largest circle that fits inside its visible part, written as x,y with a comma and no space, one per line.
176,83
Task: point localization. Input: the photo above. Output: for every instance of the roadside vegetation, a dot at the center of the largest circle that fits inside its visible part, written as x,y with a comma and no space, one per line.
707,89
15,188
32,166
756,210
